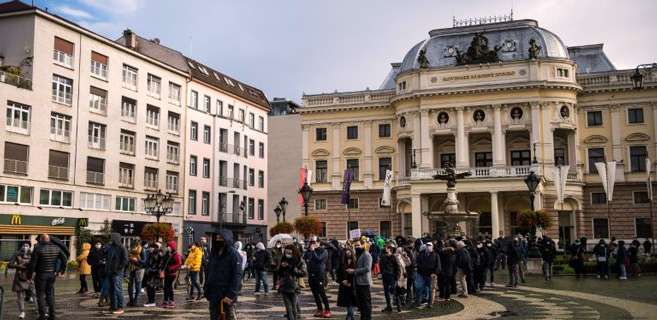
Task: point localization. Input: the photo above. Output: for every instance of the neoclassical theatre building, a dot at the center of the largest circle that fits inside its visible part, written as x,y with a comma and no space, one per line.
497,100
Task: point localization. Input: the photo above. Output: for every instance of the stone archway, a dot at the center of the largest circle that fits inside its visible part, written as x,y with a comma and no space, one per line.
404,210
512,206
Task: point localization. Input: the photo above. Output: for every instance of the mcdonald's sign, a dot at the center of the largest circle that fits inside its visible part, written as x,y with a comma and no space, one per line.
15,219
83,222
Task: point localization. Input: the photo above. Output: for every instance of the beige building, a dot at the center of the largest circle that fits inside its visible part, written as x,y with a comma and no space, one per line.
497,106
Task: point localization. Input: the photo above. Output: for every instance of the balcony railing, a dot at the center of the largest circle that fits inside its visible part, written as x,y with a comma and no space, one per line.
236,183
15,80
18,126
172,187
614,78
345,98
481,172
61,135
173,157
96,142
150,184
238,217
15,166
98,106
94,177
126,182
223,181
59,173
62,97
173,127
223,147
126,147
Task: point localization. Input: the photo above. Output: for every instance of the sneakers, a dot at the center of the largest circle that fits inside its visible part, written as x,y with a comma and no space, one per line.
164,304
319,314
387,310
118,311
492,284
622,278
110,311
189,298
171,305
327,313
257,293
21,315
149,305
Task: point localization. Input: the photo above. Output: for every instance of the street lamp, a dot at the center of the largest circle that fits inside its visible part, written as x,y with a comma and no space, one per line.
532,183
278,211
637,77
306,191
158,204
283,205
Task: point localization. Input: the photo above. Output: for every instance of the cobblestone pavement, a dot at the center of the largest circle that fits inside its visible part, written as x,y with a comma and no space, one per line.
531,302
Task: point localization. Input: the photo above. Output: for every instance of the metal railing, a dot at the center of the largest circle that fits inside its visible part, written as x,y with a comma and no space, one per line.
223,181
15,80
61,135
94,177
19,126
15,166
96,142
150,184
478,172
61,96
235,217
223,147
56,172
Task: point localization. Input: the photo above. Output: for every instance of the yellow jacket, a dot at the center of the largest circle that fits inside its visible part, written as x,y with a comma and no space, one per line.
136,254
83,266
194,259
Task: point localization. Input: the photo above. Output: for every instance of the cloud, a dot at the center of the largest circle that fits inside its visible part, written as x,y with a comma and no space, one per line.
115,6
73,13
109,30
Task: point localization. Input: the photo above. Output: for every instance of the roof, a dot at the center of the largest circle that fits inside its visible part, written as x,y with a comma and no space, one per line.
158,52
14,6
389,81
590,58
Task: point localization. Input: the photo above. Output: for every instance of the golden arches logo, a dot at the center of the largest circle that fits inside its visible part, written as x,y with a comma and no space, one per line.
83,222
15,219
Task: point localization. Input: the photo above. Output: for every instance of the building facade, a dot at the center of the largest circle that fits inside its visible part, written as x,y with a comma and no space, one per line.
497,105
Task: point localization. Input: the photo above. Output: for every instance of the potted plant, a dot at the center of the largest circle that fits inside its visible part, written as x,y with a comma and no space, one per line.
281,227
157,231
308,226
530,221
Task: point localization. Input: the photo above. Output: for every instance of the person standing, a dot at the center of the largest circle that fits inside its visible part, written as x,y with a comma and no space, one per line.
363,276
347,285
96,255
390,273
316,258
447,261
204,262
577,258
523,251
84,269
224,276
276,255
411,272
480,270
633,253
464,266
428,264
492,258
136,268
193,264
261,260
548,251
21,286
602,253
248,271
621,256
104,280
289,271
117,261
173,262
400,287
153,272
42,263
513,261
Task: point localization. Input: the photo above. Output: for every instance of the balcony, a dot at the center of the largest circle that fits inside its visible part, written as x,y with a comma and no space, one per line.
96,142
150,184
18,126
60,135
15,80
223,147
237,183
482,172
237,218
94,177
16,166
127,148
126,182
59,173
223,181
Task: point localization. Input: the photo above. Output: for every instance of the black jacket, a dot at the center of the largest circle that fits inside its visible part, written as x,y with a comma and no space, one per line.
548,251
316,261
117,257
484,257
428,263
44,258
289,275
410,268
447,261
463,260
95,257
621,254
224,270
262,260
389,267
512,254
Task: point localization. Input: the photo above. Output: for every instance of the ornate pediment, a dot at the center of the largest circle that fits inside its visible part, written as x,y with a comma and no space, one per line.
482,142
636,137
384,149
595,139
321,153
352,151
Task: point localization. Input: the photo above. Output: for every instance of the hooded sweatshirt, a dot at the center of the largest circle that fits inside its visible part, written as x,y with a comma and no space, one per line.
117,257
83,266
224,270
242,253
173,260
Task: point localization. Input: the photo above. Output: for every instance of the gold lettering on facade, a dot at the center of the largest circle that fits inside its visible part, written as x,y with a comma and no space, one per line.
480,76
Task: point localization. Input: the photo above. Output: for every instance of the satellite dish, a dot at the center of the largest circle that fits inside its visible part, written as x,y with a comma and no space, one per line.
156,40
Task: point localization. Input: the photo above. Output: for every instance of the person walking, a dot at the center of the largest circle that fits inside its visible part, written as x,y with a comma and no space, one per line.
347,285
153,272
136,264
104,299
523,251
513,260
411,272
21,285
316,258
193,265
276,256
363,278
480,269
577,258
390,273
224,276
248,248
261,260
84,269
43,265
401,286
548,251
96,254
173,262
428,264
447,262
464,266
289,271
117,261
492,259
621,257
633,253
206,253
602,253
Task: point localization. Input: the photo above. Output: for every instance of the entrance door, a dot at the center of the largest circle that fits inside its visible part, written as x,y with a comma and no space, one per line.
566,231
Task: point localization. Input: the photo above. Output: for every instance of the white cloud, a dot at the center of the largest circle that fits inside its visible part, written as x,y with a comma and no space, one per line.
74,13
115,6
109,30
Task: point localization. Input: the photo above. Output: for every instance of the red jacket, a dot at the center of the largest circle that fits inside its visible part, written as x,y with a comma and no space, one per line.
173,262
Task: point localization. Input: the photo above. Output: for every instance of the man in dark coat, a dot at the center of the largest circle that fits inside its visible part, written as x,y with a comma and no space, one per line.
475,261
42,263
117,261
548,251
428,263
316,258
480,270
390,273
602,253
447,261
492,258
224,276
621,256
96,255
464,267
411,272
512,260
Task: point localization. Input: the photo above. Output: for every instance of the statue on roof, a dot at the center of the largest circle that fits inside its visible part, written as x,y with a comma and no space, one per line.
534,49
422,59
478,52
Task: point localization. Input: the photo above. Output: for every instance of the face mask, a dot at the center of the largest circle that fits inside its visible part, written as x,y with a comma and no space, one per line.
289,256
220,244
98,246
169,249
24,249
490,245
429,249
360,250
348,254
295,240
278,246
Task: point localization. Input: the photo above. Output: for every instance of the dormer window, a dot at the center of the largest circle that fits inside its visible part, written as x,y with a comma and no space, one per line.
216,76
402,86
203,70
191,65
230,82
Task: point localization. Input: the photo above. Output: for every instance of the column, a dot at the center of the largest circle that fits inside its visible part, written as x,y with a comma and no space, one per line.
461,143
427,141
654,119
416,216
615,133
368,154
494,214
547,145
425,221
335,153
498,151
304,145
416,153
401,160
536,131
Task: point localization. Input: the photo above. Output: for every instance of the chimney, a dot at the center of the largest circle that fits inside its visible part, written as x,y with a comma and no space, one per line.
130,39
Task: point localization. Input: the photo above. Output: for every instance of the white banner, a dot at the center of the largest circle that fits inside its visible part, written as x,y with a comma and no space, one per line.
649,178
309,177
607,174
560,177
385,200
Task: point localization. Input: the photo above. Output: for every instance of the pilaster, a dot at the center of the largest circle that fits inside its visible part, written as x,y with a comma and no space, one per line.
416,212
615,133
368,176
427,141
461,143
498,138
335,153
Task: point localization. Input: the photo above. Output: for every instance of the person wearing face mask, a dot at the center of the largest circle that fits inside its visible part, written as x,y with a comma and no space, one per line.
492,257
513,259
261,259
347,288
316,258
193,263
363,278
152,272
480,270
96,254
117,261
173,262
390,273
224,276
276,256
289,271
84,269
428,264
204,262
21,286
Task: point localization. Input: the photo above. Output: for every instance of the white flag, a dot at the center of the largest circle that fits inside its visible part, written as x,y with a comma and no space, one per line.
385,200
649,178
560,177
607,176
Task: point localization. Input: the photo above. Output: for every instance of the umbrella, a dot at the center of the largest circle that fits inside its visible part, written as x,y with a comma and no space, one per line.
369,234
282,237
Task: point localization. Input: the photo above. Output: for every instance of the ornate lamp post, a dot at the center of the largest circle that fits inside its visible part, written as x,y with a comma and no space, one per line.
158,204
532,183
637,77
190,233
278,211
283,205
306,191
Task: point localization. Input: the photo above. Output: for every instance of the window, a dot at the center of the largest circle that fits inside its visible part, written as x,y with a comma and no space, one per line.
98,100
352,164
251,120
560,156
520,158
562,73
261,124
207,135
595,155
153,116
62,89
384,164
485,223
126,175
95,171
261,209
251,207
128,109
174,93
152,147
126,204
384,130
96,136
220,108
635,115
150,178
16,158
206,168
173,122
154,86
205,203
641,197
261,150
638,158
353,203
513,222
58,165
322,234
402,86
321,171
261,179
230,111
385,229
63,52
320,204
447,157
594,118
193,131
600,228
191,208
192,165
251,177
352,132
483,159
207,103
15,194
251,147
172,182
351,225
56,198
203,70
193,100
173,152
129,77
643,227
18,118
598,198
94,201
99,65
60,127
320,134
241,115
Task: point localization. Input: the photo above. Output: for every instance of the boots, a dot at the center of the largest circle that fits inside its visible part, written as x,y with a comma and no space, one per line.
104,301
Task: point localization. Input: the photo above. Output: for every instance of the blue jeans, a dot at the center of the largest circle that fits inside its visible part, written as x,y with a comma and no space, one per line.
422,283
105,287
134,283
261,276
193,275
116,291
622,273
350,312
389,288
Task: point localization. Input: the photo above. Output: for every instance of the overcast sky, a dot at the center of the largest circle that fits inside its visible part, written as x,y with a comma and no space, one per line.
287,47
